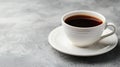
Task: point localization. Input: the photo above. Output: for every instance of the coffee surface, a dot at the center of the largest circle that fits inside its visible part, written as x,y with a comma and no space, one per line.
83,21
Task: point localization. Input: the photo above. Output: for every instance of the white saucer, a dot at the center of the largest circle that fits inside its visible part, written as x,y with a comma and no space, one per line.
60,42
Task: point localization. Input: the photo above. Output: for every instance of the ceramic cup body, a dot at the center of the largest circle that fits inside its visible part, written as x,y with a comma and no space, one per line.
83,36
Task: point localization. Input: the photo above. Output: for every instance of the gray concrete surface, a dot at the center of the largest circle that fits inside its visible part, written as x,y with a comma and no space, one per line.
25,25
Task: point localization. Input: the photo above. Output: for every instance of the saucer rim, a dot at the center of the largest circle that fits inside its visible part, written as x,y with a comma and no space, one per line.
87,55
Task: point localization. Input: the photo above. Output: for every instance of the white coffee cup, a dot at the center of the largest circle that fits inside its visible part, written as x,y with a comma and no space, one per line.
86,36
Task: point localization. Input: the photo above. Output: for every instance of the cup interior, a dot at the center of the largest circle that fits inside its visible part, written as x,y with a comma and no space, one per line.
84,12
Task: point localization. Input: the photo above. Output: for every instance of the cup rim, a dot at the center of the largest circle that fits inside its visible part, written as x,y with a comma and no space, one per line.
103,21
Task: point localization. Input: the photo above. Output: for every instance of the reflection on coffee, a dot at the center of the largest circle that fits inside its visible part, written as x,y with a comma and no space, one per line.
83,21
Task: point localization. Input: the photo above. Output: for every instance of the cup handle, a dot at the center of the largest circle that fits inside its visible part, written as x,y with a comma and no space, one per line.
113,31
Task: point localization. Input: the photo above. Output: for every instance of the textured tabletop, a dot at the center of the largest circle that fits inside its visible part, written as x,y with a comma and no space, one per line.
26,24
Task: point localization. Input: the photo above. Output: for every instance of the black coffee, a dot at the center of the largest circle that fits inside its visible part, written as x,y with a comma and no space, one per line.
83,21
